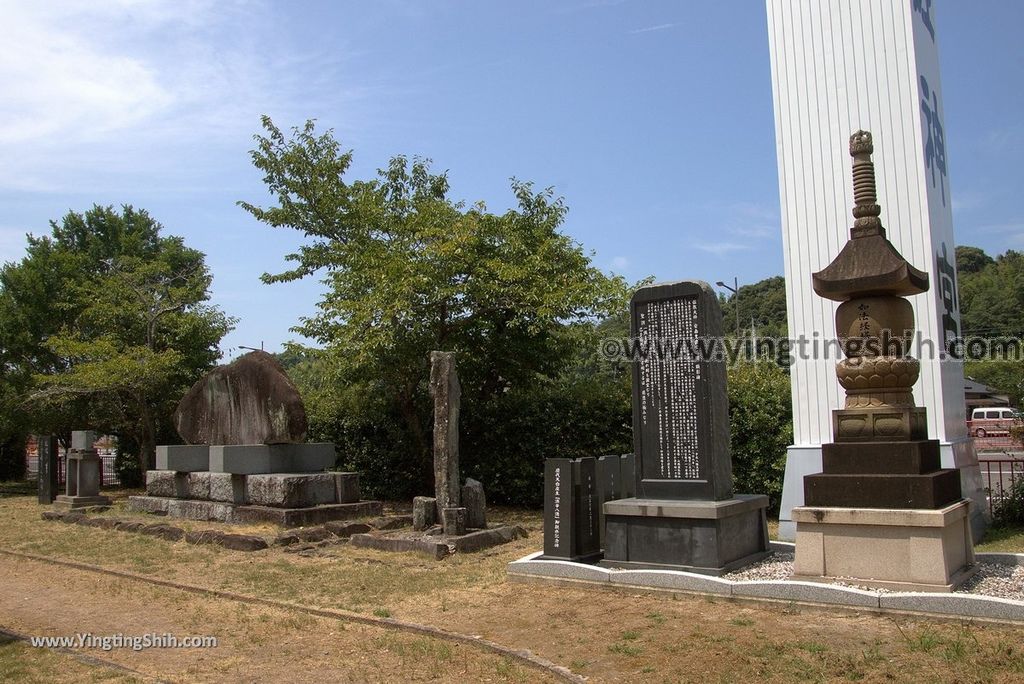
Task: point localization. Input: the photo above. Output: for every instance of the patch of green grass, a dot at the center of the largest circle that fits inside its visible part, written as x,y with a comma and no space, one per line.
741,622
578,664
630,635
509,671
1004,539
812,647
382,612
924,642
623,648
656,618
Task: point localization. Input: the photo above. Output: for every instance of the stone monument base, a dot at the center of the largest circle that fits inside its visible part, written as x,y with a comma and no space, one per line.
288,499
220,511
707,537
63,502
900,549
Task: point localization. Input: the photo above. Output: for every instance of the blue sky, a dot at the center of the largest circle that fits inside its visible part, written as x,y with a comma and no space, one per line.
653,119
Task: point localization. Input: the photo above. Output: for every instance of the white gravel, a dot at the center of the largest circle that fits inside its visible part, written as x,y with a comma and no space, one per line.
991,579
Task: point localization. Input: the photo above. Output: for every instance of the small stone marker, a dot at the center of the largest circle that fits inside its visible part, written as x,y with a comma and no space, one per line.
475,503
454,521
82,478
46,452
249,401
445,389
571,518
424,509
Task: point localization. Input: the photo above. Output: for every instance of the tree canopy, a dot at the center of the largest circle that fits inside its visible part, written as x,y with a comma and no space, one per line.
105,325
408,270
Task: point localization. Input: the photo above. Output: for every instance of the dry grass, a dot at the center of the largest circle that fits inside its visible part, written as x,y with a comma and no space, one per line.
605,635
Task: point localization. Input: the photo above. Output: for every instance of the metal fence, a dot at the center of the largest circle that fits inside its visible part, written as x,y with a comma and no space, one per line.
108,473
1000,476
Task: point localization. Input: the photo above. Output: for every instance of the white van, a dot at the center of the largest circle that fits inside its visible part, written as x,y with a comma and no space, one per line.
990,421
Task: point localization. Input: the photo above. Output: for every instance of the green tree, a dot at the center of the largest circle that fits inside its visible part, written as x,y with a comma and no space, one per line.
408,270
108,323
764,302
971,260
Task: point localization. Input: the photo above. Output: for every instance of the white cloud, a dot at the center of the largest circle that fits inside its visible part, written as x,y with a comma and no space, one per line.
620,263
91,88
722,248
648,29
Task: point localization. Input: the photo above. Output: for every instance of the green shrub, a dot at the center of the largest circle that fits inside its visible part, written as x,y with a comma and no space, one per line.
1010,511
761,418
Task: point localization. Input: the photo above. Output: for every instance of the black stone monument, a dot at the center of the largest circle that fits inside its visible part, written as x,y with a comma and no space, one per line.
684,515
571,509
46,453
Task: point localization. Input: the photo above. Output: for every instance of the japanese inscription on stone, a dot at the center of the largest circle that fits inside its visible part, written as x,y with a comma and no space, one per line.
680,409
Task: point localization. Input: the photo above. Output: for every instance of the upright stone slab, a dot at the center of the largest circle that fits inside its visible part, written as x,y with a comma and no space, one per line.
46,457
559,504
571,517
475,503
424,512
609,487
587,509
684,515
445,389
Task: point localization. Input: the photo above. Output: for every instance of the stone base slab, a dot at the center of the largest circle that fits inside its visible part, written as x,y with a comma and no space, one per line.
183,458
707,537
902,549
931,490
283,490
233,513
64,502
251,459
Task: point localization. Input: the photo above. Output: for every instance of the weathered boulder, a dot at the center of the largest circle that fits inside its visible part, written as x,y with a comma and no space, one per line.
249,401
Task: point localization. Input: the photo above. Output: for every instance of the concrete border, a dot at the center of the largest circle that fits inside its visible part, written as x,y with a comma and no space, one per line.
946,605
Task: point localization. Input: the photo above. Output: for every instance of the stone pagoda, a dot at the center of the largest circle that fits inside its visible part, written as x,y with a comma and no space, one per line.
883,511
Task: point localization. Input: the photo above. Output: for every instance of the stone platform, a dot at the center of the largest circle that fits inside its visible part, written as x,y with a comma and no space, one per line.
706,537
289,499
896,549
247,459
64,502
219,511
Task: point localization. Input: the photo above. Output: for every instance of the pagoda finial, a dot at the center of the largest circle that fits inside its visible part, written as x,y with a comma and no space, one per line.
866,211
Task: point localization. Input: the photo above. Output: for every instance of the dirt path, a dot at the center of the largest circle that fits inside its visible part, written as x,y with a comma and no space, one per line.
255,643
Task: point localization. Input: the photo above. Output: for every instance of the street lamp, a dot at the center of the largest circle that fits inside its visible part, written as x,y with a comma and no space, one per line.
735,289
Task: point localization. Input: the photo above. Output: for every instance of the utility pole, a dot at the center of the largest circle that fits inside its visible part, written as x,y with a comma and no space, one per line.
735,289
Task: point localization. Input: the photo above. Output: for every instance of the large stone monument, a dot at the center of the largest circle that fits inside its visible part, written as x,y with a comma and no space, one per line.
82,475
882,511
684,515
245,460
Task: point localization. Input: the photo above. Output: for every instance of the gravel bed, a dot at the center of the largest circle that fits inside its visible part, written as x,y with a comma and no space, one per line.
991,579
